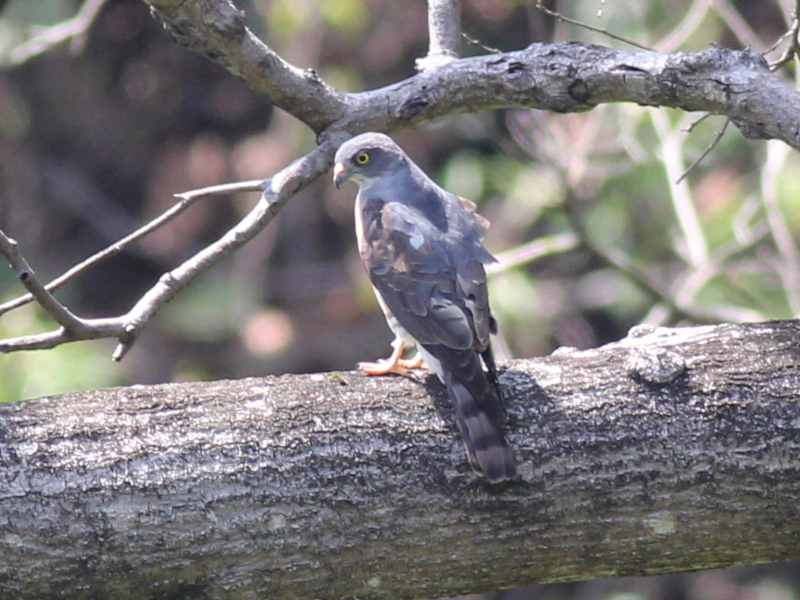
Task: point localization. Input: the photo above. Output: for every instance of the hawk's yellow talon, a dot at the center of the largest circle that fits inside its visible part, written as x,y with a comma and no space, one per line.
415,363
382,367
393,364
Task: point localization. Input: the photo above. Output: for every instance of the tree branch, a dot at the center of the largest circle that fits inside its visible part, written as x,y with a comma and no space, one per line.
563,77
534,250
74,29
671,450
573,77
444,30
277,191
126,328
186,200
215,29
793,48
10,250
588,27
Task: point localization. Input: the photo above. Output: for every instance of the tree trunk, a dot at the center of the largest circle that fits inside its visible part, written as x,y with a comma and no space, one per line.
668,451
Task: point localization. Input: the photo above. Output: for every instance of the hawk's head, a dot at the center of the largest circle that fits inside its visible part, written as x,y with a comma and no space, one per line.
367,157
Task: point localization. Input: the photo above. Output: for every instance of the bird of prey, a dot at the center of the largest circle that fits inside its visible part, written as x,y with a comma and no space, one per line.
421,247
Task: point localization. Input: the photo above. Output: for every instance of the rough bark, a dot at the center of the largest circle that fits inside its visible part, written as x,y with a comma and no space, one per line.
668,451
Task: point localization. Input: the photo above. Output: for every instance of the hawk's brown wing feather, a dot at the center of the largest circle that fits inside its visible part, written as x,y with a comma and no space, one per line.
437,296
435,286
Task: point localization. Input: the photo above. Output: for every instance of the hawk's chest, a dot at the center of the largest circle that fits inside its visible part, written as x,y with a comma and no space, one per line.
372,236
363,248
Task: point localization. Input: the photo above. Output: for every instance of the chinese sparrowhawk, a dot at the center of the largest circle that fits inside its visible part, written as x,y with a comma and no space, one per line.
421,246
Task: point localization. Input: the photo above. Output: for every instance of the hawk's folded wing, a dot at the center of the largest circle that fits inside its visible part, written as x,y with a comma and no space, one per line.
434,284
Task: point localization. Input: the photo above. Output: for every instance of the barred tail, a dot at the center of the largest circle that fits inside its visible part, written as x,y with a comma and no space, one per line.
487,449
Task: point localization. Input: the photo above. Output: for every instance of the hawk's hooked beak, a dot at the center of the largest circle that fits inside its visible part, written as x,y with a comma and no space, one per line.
340,174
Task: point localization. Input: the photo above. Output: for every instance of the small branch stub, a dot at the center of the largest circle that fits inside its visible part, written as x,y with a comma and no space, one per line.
444,31
654,365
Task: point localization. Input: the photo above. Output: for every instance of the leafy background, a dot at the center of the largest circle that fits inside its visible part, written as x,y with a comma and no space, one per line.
97,134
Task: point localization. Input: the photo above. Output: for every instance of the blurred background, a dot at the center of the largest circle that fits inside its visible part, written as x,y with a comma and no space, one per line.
594,231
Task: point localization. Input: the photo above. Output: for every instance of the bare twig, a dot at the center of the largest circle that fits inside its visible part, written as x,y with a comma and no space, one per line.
126,328
705,152
693,234
444,32
277,190
480,44
793,33
691,126
223,189
613,36
187,199
10,249
74,29
546,246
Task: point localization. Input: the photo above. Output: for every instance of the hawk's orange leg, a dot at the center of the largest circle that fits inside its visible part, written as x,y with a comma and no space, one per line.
393,364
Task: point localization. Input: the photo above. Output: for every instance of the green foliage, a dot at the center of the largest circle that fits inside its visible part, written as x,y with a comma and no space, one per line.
72,367
347,17
205,311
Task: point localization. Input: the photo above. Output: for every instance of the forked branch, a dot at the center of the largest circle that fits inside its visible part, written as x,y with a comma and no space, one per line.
126,328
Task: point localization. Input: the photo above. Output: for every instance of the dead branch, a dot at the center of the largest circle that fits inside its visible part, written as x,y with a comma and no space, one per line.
126,328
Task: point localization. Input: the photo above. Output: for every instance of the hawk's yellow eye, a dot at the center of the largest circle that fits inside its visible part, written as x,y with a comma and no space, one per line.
362,158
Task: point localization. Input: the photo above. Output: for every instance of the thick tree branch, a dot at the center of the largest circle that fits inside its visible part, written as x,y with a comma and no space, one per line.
573,77
564,77
215,28
672,450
